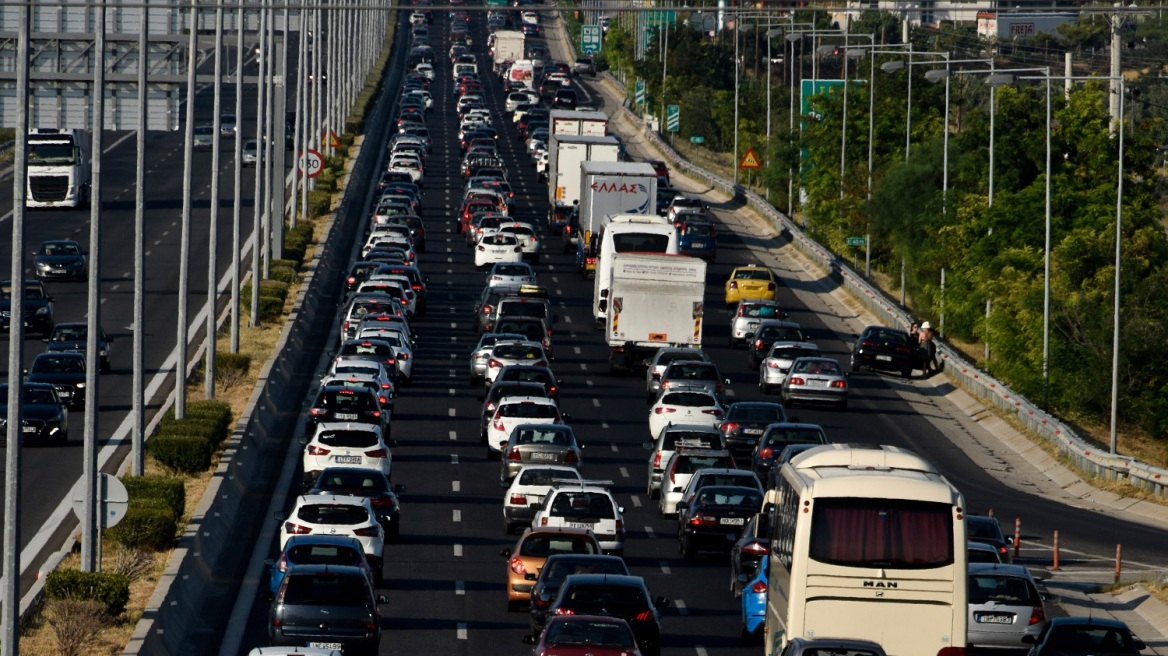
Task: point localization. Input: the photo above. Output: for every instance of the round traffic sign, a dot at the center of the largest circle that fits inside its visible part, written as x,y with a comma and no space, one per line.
312,160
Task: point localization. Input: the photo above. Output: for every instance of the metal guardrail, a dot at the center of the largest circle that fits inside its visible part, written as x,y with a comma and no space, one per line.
1094,461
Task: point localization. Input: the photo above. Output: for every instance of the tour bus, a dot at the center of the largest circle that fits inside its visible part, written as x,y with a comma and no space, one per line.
868,543
626,233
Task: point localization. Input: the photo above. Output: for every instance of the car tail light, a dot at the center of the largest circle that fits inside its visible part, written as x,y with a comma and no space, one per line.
282,566
382,501
755,548
643,616
665,384
490,407
661,411
518,500
542,363
1003,550
378,453
571,457
368,531
552,390
657,461
318,412
1037,615
656,375
314,450
795,380
534,239
352,280
543,521
673,475
758,344
494,363
563,611
486,309
403,356
839,384
718,388
767,453
702,520
376,413
481,248
296,529
499,425
740,311
712,411
729,426
517,566
772,364
514,455
733,284
345,326
759,587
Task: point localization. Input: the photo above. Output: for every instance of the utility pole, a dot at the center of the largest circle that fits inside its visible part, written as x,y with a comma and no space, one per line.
1116,51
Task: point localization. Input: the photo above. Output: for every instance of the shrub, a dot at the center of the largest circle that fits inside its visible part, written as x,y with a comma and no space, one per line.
296,253
211,409
271,307
76,624
327,180
230,370
319,203
132,562
208,429
273,289
184,454
169,489
286,263
150,523
112,591
303,231
284,274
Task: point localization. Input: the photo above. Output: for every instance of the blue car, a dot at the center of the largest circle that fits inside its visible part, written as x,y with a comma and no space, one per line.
697,238
318,550
754,602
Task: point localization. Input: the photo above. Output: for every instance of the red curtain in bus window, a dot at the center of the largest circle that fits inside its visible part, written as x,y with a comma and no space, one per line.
862,532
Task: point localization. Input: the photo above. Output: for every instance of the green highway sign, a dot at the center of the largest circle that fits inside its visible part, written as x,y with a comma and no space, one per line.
590,39
856,241
639,92
697,140
673,118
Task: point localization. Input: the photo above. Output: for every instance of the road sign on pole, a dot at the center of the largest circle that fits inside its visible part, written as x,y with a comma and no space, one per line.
750,160
312,160
856,241
672,118
112,496
591,38
639,93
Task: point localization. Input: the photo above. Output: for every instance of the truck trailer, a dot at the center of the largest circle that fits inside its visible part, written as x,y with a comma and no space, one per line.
608,188
657,301
565,155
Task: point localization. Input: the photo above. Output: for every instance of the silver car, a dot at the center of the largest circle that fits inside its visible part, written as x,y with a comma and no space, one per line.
251,153
749,314
204,137
772,371
655,366
482,353
694,376
666,443
816,380
539,444
1004,605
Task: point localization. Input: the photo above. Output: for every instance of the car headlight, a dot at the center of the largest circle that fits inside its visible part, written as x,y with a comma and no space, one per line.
80,385
42,311
43,266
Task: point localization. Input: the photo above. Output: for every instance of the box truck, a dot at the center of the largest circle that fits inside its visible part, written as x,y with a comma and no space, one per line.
508,47
657,301
565,155
608,188
585,123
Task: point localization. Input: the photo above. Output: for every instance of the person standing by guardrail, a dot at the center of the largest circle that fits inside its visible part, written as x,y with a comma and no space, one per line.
926,339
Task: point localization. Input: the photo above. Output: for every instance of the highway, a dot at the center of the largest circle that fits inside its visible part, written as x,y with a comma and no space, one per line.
49,473
446,579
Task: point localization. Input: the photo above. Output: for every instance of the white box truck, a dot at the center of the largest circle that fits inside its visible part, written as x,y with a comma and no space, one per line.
608,188
585,123
565,155
58,168
657,301
508,47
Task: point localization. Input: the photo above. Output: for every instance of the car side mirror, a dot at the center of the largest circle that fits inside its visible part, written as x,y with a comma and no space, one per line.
45,340
647,445
52,299
742,578
726,381
303,439
620,509
270,562
682,505
280,515
1138,644
382,599
506,552
529,639
1049,598
661,601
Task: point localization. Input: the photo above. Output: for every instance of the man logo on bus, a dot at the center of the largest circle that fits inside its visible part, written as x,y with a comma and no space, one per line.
879,584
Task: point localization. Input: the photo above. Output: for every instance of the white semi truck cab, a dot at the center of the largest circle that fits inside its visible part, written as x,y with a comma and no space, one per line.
58,168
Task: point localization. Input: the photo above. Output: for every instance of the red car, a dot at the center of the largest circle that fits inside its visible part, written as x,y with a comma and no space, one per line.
592,635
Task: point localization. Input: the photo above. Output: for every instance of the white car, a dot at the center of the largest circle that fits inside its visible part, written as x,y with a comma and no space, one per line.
585,504
511,273
527,236
390,288
517,98
337,514
527,490
515,410
401,347
497,247
482,353
530,18
411,296
414,172
337,444
425,69
680,469
684,407
424,96
505,353
541,166
772,371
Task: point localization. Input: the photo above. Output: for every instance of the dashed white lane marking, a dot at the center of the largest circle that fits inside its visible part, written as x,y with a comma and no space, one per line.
449,259
567,319
459,588
680,605
461,633
576,349
636,501
555,278
614,448
453,373
604,425
559,292
700,650
453,356
624,472
458,551
454,458
456,515
664,567
455,486
453,324
552,267
651,533
453,338
451,413
596,403
452,391
448,250
449,271
454,435
583,366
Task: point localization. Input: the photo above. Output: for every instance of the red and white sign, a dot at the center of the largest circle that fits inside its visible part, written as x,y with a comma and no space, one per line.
310,161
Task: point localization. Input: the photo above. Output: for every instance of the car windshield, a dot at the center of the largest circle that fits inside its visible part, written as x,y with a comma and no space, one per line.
70,333
580,505
688,464
364,348
698,230
545,476
47,364
756,413
982,528
887,337
348,439
33,395
55,250
693,371
326,589
325,513
520,309
518,352
543,437
367,481
590,633
527,375
727,496
558,569
346,400
793,352
1090,640
672,437
526,410
760,311
797,435
607,599
780,334
1006,590
512,270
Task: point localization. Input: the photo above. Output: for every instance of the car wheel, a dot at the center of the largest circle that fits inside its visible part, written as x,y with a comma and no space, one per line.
856,367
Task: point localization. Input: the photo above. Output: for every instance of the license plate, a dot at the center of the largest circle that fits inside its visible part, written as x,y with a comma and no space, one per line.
884,358
994,618
540,455
817,383
58,271
348,460
699,244
347,416
732,521
751,325
752,431
335,646
588,525
28,429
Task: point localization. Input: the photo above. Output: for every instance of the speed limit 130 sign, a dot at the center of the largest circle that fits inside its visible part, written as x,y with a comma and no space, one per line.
311,162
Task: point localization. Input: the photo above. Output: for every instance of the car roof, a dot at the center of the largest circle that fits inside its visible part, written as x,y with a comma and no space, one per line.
689,428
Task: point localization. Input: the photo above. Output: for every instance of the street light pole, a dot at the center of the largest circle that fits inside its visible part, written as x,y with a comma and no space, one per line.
1118,252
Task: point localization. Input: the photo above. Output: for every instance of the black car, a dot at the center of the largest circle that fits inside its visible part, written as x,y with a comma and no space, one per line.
368,483
744,424
341,403
44,419
887,349
1082,636
767,333
73,338
556,569
64,371
980,528
525,373
565,99
714,519
502,390
777,436
609,595
359,273
38,307
340,593
60,259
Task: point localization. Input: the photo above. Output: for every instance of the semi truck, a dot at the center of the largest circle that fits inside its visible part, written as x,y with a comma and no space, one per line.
583,123
565,155
508,47
58,168
608,188
657,301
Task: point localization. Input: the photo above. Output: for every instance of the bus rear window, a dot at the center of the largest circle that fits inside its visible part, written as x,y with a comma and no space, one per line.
640,242
890,533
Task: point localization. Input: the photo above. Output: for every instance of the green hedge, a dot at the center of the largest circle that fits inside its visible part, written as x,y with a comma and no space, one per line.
150,523
231,366
110,590
319,203
286,263
168,489
284,274
208,429
271,304
183,454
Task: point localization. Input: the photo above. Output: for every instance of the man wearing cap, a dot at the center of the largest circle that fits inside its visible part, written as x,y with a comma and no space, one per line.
930,348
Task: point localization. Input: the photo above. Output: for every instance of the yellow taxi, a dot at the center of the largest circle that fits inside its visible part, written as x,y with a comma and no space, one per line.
531,550
751,282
